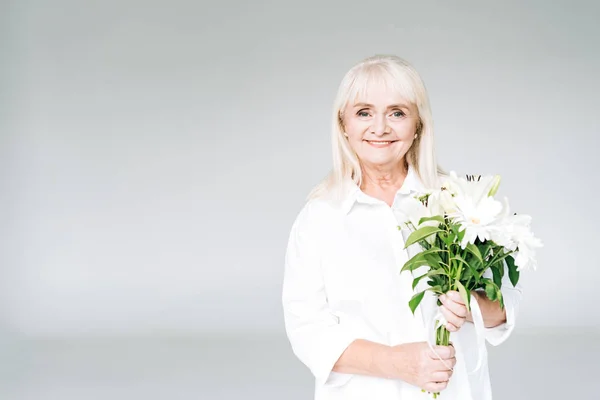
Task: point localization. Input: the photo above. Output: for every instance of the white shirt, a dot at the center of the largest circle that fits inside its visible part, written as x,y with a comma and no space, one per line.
342,282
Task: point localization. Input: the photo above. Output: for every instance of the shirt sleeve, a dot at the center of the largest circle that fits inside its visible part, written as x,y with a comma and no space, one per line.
316,335
512,298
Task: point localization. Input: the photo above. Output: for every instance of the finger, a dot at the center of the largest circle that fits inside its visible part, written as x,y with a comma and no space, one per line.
451,317
456,297
451,362
443,365
444,352
457,308
434,387
448,364
441,376
451,327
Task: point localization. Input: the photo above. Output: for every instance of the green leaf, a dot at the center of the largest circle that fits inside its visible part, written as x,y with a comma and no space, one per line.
459,258
445,287
470,265
466,296
461,235
433,259
421,234
493,292
415,300
433,249
427,275
429,257
497,272
438,242
417,261
513,272
436,289
484,249
437,218
500,257
500,299
425,245
476,268
455,228
467,273
447,238
490,290
471,248
438,280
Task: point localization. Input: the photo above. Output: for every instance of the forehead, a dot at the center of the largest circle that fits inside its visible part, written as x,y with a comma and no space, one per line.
381,88
379,96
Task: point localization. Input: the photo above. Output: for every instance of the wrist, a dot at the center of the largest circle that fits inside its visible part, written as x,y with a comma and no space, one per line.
491,311
383,361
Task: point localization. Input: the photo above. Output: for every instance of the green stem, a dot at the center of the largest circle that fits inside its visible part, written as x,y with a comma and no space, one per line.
442,339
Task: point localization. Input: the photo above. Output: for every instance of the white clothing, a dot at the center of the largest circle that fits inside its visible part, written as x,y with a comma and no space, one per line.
342,282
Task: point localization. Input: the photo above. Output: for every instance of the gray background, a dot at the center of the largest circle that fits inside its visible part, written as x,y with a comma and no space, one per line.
153,156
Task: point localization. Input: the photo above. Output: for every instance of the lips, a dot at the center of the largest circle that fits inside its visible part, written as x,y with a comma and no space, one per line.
381,141
380,144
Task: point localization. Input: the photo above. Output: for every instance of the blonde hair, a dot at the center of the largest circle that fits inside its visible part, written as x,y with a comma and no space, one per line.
399,75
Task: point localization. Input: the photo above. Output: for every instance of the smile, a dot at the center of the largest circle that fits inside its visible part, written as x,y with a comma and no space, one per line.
380,143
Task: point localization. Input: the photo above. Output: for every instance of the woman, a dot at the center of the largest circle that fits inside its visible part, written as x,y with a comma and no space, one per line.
344,300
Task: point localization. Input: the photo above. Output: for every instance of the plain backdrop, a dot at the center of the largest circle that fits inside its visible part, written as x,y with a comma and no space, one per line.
155,154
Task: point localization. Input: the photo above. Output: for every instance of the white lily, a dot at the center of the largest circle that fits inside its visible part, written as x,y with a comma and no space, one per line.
476,210
441,202
410,212
477,219
502,233
477,188
514,234
526,242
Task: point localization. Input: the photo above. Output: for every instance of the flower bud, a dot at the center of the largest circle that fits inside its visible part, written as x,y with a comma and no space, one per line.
495,186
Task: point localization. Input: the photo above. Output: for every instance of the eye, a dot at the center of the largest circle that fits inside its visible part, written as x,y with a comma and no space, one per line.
398,114
362,113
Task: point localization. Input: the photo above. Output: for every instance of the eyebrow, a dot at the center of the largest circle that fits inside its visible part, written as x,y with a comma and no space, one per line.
372,106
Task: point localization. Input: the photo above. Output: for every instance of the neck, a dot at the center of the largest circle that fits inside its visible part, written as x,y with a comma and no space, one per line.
378,179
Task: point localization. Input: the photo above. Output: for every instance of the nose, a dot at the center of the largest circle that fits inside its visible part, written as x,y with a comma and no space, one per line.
379,126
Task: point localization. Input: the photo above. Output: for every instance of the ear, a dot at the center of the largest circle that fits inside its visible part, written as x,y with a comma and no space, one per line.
341,123
419,127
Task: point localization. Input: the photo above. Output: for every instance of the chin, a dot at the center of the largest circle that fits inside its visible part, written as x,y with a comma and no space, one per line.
379,161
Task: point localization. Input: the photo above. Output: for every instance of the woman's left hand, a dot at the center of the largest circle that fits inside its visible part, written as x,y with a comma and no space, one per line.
453,308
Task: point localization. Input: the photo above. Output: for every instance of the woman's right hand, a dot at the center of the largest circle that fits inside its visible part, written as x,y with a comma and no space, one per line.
418,365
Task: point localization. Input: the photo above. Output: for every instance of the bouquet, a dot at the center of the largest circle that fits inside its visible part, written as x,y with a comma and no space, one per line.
462,231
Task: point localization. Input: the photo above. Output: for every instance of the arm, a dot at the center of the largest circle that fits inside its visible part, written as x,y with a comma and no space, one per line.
455,311
500,323
317,336
331,348
364,357
493,314
414,363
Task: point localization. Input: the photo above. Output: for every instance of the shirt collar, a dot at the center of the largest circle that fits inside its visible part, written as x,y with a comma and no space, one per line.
411,184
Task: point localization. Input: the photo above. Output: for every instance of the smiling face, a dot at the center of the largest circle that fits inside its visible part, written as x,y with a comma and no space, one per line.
380,127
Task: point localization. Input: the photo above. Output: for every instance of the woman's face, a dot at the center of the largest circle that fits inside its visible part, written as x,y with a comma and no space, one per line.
381,127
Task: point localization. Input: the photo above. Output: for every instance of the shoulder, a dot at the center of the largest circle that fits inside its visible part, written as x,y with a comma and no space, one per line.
316,214
317,222
322,210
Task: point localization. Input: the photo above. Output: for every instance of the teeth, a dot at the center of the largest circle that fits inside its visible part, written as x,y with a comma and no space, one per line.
372,141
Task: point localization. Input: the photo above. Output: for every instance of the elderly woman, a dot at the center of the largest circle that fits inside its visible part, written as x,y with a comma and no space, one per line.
344,300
